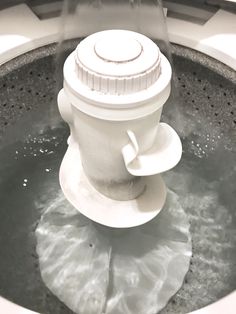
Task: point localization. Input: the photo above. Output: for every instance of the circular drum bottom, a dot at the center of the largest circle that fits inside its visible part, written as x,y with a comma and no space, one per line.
33,143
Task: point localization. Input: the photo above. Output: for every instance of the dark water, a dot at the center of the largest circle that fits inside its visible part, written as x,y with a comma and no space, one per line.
204,180
29,165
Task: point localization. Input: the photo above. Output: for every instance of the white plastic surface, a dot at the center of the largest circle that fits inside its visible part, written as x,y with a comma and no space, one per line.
164,154
99,208
22,31
216,38
105,166
118,49
114,76
117,62
227,305
7,307
113,108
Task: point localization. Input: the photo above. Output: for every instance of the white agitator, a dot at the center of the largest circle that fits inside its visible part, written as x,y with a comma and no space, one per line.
115,85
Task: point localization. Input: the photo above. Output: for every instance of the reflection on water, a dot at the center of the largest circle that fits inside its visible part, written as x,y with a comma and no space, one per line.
95,270
205,189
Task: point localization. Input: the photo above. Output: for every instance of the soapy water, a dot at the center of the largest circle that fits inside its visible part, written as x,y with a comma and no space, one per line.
95,269
209,206
203,186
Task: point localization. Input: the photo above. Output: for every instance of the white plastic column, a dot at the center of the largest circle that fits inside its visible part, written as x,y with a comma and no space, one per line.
115,85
